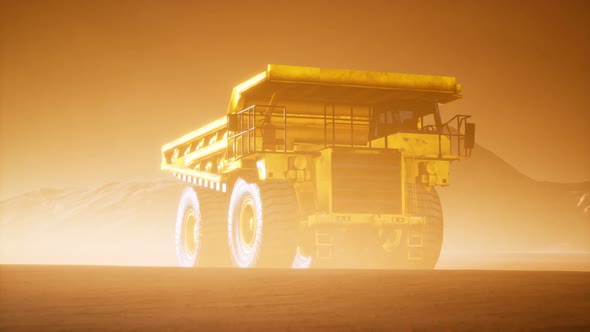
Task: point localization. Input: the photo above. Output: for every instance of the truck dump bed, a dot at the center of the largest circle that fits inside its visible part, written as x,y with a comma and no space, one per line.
312,83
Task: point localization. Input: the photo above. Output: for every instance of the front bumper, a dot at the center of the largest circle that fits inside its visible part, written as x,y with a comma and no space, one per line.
375,220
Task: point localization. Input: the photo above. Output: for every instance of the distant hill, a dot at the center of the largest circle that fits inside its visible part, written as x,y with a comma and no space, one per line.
129,223
489,207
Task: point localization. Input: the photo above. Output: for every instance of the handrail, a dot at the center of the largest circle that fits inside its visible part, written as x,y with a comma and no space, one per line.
461,120
250,129
249,121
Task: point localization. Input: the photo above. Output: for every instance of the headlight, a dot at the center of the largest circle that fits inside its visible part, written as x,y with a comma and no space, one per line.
261,166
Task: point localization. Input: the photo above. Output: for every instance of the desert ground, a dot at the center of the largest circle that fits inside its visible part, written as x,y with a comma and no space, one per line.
159,298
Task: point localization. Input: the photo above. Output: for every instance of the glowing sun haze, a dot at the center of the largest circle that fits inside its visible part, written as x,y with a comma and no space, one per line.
89,91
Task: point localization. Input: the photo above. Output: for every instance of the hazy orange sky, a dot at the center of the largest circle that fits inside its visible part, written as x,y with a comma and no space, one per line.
90,90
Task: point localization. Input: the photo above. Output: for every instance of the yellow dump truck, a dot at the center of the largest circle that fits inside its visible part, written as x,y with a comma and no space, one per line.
338,167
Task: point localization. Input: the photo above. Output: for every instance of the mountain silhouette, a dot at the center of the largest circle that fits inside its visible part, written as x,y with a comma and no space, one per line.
491,206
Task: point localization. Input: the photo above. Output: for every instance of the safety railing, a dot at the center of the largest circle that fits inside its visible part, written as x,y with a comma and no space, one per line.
259,128
461,137
256,122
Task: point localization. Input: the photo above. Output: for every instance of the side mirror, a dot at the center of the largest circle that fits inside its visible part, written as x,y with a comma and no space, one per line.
233,123
469,135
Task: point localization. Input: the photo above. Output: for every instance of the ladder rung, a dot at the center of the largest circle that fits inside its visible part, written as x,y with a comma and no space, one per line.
324,245
415,255
324,239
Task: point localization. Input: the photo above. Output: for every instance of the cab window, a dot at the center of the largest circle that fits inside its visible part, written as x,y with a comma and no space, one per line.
387,122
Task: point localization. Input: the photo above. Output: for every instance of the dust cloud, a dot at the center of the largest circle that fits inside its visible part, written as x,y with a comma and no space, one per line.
495,218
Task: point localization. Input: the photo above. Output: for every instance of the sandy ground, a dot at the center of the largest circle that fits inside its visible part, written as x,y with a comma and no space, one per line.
530,261
124,298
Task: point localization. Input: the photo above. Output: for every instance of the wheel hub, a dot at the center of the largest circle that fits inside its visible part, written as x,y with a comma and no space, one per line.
248,223
190,232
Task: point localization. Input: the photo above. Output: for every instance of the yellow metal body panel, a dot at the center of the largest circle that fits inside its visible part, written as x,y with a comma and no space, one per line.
211,127
416,144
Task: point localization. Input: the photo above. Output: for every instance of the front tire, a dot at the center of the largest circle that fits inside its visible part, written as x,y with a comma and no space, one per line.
432,231
262,224
405,254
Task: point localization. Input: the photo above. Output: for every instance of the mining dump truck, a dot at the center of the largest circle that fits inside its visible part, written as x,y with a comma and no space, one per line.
339,167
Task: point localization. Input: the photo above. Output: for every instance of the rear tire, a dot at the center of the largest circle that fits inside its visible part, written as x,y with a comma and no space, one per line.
262,224
188,229
201,229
